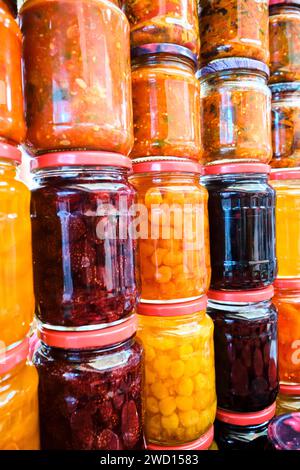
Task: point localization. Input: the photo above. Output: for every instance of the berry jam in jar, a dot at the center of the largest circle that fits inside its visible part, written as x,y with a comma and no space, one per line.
90,389
246,355
284,432
83,254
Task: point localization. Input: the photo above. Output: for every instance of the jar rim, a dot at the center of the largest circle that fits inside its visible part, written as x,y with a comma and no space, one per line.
232,168
285,174
286,86
289,390
233,64
203,443
283,2
250,296
246,419
172,310
274,430
166,165
14,356
287,283
10,152
163,48
86,158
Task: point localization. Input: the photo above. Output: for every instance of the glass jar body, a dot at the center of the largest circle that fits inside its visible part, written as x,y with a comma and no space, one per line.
287,404
231,437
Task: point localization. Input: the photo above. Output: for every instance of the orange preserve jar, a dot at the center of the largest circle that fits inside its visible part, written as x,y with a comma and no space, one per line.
235,111
166,113
180,373
16,279
284,40
12,124
161,21
234,28
287,301
174,254
77,76
19,421
286,183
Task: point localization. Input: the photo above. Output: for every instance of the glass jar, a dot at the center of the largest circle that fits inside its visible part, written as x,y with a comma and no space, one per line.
180,372
287,301
77,76
83,255
286,125
284,28
12,123
90,390
241,207
174,256
243,431
284,432
288,400
245,339
158,21
16,279
166,108
206,442
235,104
286,183
234,28
19,419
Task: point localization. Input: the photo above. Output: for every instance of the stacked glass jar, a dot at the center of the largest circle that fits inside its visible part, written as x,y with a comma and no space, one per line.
79,130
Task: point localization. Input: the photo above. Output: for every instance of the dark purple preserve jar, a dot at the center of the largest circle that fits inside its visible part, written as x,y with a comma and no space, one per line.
284,432
90,389
246,356
83,254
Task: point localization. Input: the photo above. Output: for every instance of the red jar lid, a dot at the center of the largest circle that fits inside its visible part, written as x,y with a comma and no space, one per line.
203,443
170,165
287,284
172,310
92,158
284,2
9,152
10,358
285,174
290,390
232,168
247,419
89,339
256,295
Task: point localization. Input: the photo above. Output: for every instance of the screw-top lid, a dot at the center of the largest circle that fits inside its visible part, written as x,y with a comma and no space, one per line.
163,48
232,168
203,443
290,390
172,310
170,165
233,64
86,158
285,174
284,432
250,296
282,87
284,2
281,284
9,152
11,357
246,419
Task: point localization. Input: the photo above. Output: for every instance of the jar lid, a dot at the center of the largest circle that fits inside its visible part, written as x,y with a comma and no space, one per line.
247,419
11,357
232,168
247,296
170,165
287,86
233,63
284,432
290,390
203,443
91,158
9,152
287,284
285,174
163,48
89,339
172,310
284,2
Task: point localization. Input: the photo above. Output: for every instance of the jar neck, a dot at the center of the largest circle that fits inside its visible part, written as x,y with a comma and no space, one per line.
174,178
238,306
241,177
284,9
288,293
171,323
246,429
165,60
8,169
240,75
87,173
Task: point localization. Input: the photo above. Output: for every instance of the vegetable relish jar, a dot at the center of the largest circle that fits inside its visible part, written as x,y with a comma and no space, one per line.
286,125
245,339
241,207
19,420
166,108
205,442
12,123
90,389
243,431
287,301
286,183
288,400
235,111
158,21
284,40
83,254
174,253
16,278
77,76
284,432
180,372
234,28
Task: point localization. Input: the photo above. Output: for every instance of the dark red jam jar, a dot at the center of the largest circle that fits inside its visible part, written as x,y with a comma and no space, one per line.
83,254
90,389
284,432
246,353
243,431
241,208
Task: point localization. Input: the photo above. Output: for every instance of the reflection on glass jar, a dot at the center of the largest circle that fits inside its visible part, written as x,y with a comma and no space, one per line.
288,400
284,432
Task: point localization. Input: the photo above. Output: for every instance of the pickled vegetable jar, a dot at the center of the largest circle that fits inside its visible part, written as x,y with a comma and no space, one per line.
286,182
16,279
234,28
288,400
166,109
287,301
180,373
241,208
160,21
284,432
205,442
284,40
77,76
12,123
84,258
174,256
243,431
90,389
245,338
19,421
235,111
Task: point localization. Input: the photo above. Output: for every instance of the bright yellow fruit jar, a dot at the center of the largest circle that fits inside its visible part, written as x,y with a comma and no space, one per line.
180,372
